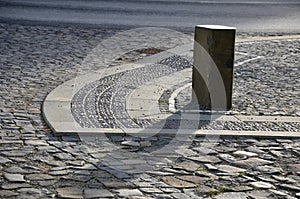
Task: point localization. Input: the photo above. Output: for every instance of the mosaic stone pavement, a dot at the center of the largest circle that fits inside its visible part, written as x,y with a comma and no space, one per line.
35,163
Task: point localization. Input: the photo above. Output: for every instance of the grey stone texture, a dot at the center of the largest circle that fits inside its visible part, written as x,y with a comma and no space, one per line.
37,164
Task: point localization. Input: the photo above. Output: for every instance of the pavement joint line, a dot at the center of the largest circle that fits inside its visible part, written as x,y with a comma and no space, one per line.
179,132
63,94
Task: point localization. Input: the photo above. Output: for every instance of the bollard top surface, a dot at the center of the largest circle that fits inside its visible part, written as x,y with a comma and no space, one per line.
216,27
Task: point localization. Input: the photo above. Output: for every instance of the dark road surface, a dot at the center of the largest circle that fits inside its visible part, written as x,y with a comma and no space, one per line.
250,15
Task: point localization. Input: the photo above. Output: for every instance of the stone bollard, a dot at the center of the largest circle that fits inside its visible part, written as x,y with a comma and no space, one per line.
213,66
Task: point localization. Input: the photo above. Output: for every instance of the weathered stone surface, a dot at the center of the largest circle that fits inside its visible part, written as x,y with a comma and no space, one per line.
128,192
16,169
70,192
205,159
114,183
294,167
269,169
193,179
187,165
7,193
231,195
260,194
278,193
97,193
31,191
230,169
227,158
252,162
177,183
245,153
39,177
203,189
36,142
290,187
284,179
262,185
205,151
15,186
151,190
210,167
14,177
4,160
130,143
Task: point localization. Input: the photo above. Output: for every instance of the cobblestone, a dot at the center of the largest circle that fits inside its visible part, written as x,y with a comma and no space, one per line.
37,164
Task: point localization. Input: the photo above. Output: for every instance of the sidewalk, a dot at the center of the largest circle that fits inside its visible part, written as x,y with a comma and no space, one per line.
36,163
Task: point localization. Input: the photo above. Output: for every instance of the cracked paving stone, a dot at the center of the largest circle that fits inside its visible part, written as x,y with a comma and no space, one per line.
33,177
14,177
231,195
97,193
70,192
129,192
177,183
262,185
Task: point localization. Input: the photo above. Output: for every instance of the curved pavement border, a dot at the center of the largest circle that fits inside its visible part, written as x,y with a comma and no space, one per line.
58,114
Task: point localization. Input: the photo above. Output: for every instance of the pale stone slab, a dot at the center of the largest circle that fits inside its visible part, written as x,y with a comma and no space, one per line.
262,185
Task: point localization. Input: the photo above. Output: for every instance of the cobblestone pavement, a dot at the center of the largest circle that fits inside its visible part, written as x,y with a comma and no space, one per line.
36,164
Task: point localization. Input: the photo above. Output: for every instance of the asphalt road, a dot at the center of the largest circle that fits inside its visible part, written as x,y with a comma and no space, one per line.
248,15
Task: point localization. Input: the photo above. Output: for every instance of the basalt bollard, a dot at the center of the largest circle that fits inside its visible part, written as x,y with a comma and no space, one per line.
213,66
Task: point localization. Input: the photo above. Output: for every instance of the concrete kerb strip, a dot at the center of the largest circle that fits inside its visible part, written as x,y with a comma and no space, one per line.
57,105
